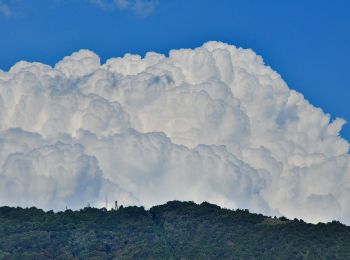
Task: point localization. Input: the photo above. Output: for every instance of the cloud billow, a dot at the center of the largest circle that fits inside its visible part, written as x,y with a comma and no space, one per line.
209,124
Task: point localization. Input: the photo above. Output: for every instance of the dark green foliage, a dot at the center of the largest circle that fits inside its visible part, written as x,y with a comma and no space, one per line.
176,230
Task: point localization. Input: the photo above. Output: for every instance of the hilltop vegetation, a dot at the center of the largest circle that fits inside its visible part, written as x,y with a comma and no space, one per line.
171,231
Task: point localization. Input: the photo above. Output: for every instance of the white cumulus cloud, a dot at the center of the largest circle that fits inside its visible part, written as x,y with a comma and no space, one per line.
212,123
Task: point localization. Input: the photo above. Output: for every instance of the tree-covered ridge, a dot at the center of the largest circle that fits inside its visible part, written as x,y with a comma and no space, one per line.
172,231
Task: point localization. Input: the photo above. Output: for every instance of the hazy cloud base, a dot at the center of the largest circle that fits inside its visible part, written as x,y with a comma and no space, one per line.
213,123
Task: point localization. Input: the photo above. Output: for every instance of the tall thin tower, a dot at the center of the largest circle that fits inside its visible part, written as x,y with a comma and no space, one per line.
106,201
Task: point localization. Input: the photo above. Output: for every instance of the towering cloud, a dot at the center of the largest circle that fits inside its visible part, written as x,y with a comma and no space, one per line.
214,123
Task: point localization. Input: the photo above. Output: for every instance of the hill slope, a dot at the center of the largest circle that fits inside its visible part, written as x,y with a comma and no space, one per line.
174,230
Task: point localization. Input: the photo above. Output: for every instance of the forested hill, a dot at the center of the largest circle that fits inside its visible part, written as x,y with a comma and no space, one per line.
171,231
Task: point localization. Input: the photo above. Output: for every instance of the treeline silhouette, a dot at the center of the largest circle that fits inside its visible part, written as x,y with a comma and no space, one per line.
176,230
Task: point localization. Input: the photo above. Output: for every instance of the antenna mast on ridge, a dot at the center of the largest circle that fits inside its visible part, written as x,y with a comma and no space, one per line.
106,201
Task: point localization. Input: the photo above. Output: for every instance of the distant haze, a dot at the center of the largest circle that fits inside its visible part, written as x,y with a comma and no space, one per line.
210,124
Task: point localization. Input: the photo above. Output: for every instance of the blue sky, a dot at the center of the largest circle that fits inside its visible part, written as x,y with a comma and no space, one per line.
307,42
